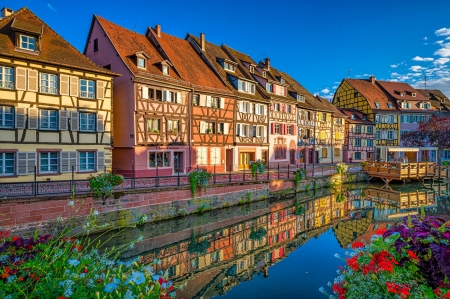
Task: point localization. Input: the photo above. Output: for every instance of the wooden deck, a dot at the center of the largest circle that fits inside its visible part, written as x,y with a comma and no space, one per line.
388,171
402,200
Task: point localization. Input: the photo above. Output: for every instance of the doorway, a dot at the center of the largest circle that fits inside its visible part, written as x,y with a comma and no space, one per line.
244,160
264,156
178,162
229,159
292,156
316,157
310,156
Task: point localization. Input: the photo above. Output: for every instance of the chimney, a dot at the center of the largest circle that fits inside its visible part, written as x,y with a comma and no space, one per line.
158,30
372,79
202,41
7,12
267,63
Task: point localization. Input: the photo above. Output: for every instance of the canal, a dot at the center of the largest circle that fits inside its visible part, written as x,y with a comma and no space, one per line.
274,249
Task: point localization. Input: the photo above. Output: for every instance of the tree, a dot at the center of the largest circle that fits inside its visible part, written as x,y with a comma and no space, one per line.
435,131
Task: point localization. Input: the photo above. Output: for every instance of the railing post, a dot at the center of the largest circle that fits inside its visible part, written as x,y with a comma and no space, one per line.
268,172
178,177
229,174
72,183
214,175
278,170
243,175
35,188
256,175
288,171
133,183
157,175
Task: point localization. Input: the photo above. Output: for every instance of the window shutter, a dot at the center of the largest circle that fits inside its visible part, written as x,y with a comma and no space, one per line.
202,127
272,128
164,95
265,109
101,90
63,115
265,132
274,88
222,103
65,162
21,117
271,106
395,117
202,100
395,134
64,85
179,101
21,78
33,118
144,92
32,80
226,129
238,129
22,163
74,120
100,123
100,160
208,101
73,86
250,107
254,131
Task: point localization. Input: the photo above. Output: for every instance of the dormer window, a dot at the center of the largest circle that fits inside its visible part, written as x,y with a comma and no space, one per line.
389,105
377,105
141,63
165,69
27,42
364,117
413,94
301,98
252,69
263,73
282,80
352,117
27,35
269,87
402,94
228,66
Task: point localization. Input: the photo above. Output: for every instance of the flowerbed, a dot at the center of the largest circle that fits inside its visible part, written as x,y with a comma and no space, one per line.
411,260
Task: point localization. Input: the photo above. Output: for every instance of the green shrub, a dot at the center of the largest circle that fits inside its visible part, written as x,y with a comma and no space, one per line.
198,178
257,166
341,168
102,185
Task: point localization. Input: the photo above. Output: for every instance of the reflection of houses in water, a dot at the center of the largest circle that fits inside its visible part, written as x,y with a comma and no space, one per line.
349,230
240,251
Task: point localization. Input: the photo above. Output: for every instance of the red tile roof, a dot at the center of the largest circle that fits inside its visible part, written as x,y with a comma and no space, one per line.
396,89
373,93
336,112
128,43
54,49
189,64
358,116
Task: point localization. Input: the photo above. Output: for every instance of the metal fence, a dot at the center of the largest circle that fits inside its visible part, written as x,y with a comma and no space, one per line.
131,181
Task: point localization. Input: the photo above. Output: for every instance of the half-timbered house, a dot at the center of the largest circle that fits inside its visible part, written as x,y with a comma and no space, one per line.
359,136
250,138
55,104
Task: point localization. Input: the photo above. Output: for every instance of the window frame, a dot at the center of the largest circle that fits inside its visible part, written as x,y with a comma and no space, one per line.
3,118
49,159
138,63
28,37
153,130
3,165
41,118
94,168
47,87
87,94
277,129
164,155
3,74
94,122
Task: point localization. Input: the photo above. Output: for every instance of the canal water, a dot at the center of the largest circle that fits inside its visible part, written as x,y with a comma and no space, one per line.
275,249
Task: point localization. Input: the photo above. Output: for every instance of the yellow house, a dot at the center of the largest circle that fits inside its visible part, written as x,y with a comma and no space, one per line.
55,105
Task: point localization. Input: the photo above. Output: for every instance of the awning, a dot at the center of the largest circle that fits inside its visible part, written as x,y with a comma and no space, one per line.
402,149
428,148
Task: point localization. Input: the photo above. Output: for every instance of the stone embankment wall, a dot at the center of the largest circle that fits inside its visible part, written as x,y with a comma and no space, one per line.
24,216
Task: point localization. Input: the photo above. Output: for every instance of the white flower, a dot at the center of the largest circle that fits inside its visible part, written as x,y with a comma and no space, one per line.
95,212
71,203
337,255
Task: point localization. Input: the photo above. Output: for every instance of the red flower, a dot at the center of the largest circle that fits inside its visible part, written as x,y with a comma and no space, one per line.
85,270
358,245
401,289
15,238
413,256
20,278
380,231
353,263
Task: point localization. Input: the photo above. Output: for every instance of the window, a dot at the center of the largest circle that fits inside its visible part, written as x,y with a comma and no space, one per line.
390,134
215,102
377,105
337,151
48,162
6,117
301,98
260,131
228,66
269,87
369,130
377,119
282,80
195,100
389,105
390,119
324,153
210,127
252,69
49,83
246,86
290,130
202,158
259,109
153,125
6,77
276,107
364,117
413,94
86,161
358,129
87,89
378,135
165,69
6,164
357,142
356,94
158,159
48,119
352,116
141,63
339,121
369,142
172,126
288,108
277,129
324,117
245,107
357,155
87,122
280,151
96,45
28,42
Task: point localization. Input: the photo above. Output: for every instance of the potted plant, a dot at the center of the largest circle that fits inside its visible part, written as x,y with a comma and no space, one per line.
257,166
198,178
102,185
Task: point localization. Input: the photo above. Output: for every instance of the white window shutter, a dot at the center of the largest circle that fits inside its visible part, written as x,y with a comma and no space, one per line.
33,80
100,123
64,162
100,160
250,105
226,129
101,85
21,117
179,101
222,103
202,100
202,127
265,132
64,85
395,135
73,86
208,101
144,92
63,116
33,119
265,110
21,78
240,104
31,162
164,95
74,120
21,163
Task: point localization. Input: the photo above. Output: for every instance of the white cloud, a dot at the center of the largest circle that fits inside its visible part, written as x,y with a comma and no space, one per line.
325,91
443,84
416,68
441,61
51,7
328,97
334,87
418,58
444,52
425,38
439,42
442,32
397,64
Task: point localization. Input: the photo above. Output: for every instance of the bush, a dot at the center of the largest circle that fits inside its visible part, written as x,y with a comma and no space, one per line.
407,261
198,178
257,166
299,174
341,168
258,234
102,185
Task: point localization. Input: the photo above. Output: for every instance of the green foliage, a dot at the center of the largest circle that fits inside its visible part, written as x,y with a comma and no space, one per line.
257,166
102,185
142,220
201,209
341,168
257,235
198,247
340,197
299,209
198,178
446,163
249,196
299,174
363,163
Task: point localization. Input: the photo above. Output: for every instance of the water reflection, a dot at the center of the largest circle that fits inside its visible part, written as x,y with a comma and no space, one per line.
216,252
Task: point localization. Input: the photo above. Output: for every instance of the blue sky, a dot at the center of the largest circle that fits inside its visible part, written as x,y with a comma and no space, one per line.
318,42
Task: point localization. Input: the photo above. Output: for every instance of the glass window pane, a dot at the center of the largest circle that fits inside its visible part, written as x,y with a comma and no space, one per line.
152,160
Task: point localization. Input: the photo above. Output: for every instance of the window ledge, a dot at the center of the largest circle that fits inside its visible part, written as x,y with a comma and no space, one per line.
18,49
